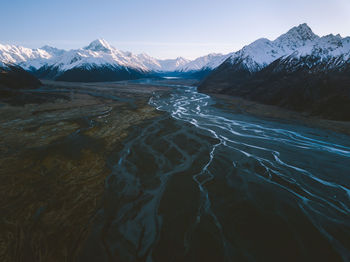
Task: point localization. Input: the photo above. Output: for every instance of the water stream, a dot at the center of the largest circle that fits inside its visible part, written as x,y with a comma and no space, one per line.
205,184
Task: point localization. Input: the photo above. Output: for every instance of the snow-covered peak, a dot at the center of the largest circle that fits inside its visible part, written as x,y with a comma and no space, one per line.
298,41
210,61
150,62
86,58
173,64
330,40
262,52
297,34
179,61
19,55
99,45
257,55
295,38
97,53
53,51
325,47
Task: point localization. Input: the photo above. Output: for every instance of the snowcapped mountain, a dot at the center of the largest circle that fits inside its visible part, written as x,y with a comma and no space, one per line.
291,47
100,56
99,45
325,54
262,52
53,51
299,71
14,54
52,62
99,61
170,65
210,62
99,53
150,62
297,42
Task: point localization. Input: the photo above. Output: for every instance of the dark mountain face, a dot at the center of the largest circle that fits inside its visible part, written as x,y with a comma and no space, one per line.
94,74
99,74
45,72
17,87
298,71
225,76
15,77
292,84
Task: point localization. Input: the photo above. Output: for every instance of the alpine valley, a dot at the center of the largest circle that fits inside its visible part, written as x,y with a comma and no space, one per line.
106,155
299,70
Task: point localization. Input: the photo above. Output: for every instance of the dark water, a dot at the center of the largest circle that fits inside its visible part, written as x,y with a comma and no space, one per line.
203,184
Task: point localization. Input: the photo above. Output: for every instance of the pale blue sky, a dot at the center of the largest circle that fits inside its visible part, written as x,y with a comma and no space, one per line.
165,29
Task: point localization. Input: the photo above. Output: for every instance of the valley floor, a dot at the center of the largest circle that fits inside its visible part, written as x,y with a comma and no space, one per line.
93,172
54,160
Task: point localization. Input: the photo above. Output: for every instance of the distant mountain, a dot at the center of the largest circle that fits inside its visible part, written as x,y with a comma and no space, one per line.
19,87
299,71
171,65
99,61
34,58
254,57
262,52
53,51
210,62
15,77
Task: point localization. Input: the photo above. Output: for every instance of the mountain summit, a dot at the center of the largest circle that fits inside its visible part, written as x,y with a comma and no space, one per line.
263,51
99,45
299,33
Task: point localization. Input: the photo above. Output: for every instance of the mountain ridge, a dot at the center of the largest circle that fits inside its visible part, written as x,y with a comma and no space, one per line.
100,55
299,71
98,52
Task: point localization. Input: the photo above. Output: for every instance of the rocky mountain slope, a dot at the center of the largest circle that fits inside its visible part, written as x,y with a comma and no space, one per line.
18,87
299,71
15,77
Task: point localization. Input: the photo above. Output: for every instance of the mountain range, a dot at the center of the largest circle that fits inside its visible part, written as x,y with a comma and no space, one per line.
98,61
299,71
99,55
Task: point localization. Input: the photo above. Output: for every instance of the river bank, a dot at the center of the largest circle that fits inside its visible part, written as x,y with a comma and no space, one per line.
243,106
153,170
214,185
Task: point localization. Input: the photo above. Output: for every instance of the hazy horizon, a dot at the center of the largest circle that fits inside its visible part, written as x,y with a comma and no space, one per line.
166,29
